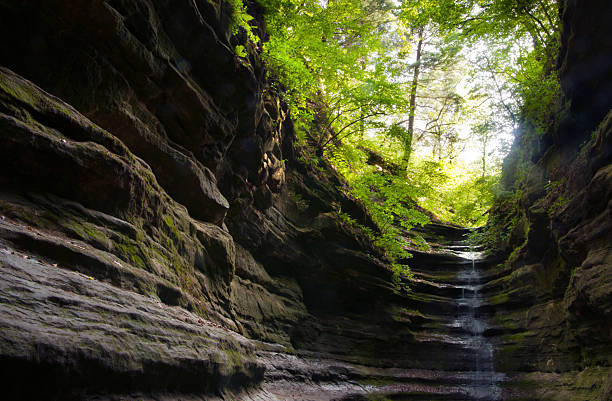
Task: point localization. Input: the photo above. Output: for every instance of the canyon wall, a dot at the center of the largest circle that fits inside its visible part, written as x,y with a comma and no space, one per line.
162,236
552,297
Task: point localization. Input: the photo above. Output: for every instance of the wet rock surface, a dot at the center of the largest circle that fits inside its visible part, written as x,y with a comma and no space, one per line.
551,296
89,339
162,238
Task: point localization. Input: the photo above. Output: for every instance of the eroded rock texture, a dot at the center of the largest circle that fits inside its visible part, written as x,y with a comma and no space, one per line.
110,289
162,237
552,297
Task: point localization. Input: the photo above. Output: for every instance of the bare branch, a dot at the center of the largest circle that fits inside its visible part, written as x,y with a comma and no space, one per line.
351,124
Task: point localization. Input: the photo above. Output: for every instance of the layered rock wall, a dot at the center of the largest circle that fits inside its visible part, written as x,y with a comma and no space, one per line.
162,237
552,295
160,232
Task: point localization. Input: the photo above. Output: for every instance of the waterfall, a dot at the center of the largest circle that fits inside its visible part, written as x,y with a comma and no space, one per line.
481,379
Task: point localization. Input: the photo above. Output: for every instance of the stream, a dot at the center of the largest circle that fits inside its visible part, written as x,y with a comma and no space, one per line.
481,380
454,357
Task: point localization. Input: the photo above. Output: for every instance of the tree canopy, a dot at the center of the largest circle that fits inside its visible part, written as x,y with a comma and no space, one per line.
419,83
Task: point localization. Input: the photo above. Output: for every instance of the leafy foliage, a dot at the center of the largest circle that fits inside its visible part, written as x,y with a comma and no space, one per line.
523,38
539,90
467,203
386,91
332,55
388,198
241,21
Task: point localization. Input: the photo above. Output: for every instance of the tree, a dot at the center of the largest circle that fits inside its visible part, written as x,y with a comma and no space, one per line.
430,110
484,133
413,94
363,75
333,55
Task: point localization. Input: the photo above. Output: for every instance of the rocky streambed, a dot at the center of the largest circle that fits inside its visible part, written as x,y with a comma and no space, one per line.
83,338
164,237
111,287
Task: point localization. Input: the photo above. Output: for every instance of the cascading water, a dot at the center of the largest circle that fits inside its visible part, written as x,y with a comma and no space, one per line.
481,379
454,358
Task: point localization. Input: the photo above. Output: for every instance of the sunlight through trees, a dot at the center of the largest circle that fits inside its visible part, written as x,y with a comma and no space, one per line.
433,88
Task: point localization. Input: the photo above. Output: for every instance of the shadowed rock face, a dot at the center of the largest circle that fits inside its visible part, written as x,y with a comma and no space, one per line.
552,296
161,236
584,66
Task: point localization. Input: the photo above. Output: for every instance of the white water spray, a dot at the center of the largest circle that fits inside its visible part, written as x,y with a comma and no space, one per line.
481,380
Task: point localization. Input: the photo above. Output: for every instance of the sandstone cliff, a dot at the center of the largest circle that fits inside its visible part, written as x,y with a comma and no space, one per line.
162,236
552,295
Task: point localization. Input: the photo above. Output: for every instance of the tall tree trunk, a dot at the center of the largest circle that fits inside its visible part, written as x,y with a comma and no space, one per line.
413,93
485,141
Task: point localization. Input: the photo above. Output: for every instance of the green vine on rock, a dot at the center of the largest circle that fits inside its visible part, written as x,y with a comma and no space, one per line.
241,21
394,248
